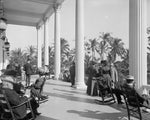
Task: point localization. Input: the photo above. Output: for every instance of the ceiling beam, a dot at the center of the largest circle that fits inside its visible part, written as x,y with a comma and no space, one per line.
47,14
48,2
17,22
23,13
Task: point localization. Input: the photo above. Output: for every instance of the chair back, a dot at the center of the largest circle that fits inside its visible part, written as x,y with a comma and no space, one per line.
105,92
132,102
6,108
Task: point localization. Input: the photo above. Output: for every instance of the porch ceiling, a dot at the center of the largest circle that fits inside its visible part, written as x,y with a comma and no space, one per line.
28,12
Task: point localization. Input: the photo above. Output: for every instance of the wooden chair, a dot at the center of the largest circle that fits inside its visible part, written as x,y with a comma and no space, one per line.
105,92
132,104
7,110
38,89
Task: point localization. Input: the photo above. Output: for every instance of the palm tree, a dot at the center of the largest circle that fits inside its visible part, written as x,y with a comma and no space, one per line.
87,61
93,44
117,48
72,55
88,56
123,66
18,56
148,33
64,46
65,50
103,46
51,59
31,51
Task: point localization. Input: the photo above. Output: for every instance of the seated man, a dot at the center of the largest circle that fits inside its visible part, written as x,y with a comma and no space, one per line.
15,99
129,87
37,88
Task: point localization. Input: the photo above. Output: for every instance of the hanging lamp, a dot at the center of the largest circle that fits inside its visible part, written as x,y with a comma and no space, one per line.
3,20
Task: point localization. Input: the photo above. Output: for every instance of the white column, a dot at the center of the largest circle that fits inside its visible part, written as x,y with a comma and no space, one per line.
138,41
6,62
46,43
3,58
57,42
79,34
1,55
39,48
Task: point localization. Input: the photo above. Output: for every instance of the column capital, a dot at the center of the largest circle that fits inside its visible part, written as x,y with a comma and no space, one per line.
57,7
37,27
45,19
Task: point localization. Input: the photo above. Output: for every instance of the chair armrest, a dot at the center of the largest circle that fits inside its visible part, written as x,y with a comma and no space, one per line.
27,101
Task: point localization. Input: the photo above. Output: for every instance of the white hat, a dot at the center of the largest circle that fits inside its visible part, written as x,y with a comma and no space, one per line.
130,77
8,79
0,80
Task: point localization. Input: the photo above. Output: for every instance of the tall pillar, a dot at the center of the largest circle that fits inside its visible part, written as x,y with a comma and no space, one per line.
57,41
1,55
46,43
39,48
3,58
138,41
79,34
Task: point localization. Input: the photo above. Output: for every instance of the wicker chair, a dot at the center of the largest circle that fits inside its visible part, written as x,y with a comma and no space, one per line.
105,92
132,104
7,110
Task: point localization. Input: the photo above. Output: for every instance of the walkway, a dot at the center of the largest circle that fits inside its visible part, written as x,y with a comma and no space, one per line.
66,103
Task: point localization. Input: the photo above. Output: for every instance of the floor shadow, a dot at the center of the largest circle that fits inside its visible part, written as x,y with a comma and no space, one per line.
99,115
70,97
76,92
63,85
44,118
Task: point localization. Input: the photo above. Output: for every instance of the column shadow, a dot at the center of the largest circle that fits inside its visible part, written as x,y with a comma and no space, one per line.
44,118
99,115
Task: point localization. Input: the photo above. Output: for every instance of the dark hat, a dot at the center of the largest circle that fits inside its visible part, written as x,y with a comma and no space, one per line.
104,62
10,72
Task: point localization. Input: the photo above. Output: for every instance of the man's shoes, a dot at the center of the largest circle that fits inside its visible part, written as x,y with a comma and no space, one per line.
37,113
120,102
44,97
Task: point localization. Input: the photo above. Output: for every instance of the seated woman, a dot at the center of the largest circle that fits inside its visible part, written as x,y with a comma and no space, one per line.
17,86
105,81
15,99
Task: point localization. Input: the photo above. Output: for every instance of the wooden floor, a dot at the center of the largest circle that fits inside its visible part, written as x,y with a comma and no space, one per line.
67,103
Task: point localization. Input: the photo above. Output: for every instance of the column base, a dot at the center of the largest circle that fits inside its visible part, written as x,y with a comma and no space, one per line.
80,86
56,78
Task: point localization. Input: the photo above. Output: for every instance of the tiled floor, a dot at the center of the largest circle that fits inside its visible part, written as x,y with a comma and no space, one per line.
67,103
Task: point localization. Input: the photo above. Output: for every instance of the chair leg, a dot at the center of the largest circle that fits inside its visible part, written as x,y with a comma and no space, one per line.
128,114
112,95
103,98
127,107
33,116
140,115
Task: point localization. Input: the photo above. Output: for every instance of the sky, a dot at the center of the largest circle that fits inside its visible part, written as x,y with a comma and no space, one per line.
100,16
